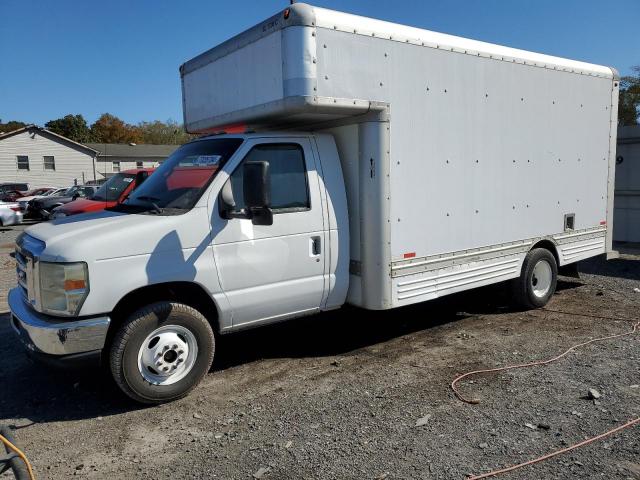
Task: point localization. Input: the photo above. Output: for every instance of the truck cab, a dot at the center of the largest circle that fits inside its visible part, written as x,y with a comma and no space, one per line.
231,231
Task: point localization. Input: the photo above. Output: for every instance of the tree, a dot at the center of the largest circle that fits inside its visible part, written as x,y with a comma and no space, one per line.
10,126
629,104
110,129
161,133
74,127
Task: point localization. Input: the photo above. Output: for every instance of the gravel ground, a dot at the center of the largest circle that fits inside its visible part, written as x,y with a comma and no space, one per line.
338,395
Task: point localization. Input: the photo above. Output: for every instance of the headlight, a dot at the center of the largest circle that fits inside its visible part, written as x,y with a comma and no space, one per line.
58,215
63,287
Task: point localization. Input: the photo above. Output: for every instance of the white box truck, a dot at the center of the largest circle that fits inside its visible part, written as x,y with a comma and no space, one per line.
346,160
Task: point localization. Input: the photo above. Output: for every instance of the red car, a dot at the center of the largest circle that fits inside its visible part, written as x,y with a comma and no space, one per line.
110,193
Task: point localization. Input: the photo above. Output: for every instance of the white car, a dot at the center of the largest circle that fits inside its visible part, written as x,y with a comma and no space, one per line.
24,201
10,214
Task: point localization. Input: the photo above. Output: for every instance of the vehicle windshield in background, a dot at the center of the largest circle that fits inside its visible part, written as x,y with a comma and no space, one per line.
111,190
69,192
180,181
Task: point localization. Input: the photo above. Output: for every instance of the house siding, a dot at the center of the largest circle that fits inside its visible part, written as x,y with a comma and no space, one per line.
73,164
103,167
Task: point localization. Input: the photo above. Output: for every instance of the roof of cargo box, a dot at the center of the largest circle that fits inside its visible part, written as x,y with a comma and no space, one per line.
301,14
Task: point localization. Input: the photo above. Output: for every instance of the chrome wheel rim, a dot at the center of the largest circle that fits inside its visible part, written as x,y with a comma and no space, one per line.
541,278
167,355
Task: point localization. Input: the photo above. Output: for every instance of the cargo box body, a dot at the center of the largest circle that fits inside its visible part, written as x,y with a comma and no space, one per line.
458,156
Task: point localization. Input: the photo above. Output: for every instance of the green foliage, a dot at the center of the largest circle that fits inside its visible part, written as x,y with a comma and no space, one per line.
629,104
161,133
10,126
110,129
74,127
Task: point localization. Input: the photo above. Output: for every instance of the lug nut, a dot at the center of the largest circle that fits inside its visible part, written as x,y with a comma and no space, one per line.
159,363
166,369
159,354
175,347
180,352
165,348
180,360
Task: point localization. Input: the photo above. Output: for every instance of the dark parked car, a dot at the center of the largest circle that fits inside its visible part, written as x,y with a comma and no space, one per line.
8,186
42,207
11,195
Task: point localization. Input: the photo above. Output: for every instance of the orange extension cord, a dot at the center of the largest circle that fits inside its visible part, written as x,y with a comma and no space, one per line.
20,454
462,398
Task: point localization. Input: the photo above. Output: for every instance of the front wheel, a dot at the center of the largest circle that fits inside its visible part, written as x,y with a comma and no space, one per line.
161,352
537,282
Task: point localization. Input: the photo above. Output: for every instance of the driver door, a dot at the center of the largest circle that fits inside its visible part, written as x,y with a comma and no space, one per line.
270,272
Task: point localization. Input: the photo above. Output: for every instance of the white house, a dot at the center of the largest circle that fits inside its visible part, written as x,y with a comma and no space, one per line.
44,159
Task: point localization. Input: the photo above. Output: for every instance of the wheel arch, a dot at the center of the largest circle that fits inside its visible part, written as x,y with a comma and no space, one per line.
188,293
548,244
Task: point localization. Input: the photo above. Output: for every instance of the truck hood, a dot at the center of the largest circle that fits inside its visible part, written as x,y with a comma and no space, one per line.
103,235
82,205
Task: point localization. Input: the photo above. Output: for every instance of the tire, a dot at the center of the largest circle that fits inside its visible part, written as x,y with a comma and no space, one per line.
149,336
538,280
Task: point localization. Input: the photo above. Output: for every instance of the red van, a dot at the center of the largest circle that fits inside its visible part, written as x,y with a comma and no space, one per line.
110,193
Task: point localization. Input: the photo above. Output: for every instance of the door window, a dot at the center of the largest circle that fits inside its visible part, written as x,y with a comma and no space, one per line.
288,174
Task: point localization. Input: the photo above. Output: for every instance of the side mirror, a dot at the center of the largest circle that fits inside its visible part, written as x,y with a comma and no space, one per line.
256,186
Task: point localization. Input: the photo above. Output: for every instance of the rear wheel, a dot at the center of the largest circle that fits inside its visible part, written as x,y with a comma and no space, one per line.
537,281
162,352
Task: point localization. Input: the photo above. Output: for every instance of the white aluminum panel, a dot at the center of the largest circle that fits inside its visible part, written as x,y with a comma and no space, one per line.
429,285
364,26
249,76
481,151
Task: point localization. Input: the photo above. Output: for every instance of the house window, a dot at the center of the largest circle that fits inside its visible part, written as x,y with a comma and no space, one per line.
139,165
23,162
49,162
116,166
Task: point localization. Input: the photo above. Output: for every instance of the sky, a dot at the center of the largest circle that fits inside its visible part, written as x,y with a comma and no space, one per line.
122,56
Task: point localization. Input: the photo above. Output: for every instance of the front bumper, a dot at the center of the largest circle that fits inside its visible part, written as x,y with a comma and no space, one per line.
52,336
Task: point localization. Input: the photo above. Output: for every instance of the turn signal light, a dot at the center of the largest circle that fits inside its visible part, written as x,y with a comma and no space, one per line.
74,284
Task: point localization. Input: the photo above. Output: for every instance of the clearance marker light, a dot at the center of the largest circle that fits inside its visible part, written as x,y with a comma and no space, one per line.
409,255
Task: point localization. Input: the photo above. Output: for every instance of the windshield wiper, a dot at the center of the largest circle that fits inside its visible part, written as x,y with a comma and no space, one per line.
151,200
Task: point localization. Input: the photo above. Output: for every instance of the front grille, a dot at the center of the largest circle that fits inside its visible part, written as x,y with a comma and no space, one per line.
28,251
21,272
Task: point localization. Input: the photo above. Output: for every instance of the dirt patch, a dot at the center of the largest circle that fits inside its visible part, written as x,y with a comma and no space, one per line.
338,395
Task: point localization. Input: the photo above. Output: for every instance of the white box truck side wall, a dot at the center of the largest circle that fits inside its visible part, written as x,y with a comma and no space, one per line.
483,151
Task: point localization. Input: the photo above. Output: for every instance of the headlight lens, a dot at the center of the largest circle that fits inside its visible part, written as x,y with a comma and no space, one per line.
63,287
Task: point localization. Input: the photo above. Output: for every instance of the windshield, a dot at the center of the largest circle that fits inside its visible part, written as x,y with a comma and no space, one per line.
180,181
70,191
111,190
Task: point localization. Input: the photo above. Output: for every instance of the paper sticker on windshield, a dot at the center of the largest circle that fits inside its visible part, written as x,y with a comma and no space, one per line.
207,160
127,180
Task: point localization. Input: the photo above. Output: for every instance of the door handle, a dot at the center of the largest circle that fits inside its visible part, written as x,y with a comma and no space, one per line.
316,246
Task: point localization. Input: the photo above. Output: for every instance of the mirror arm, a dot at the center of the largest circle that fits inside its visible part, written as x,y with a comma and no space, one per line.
242,214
